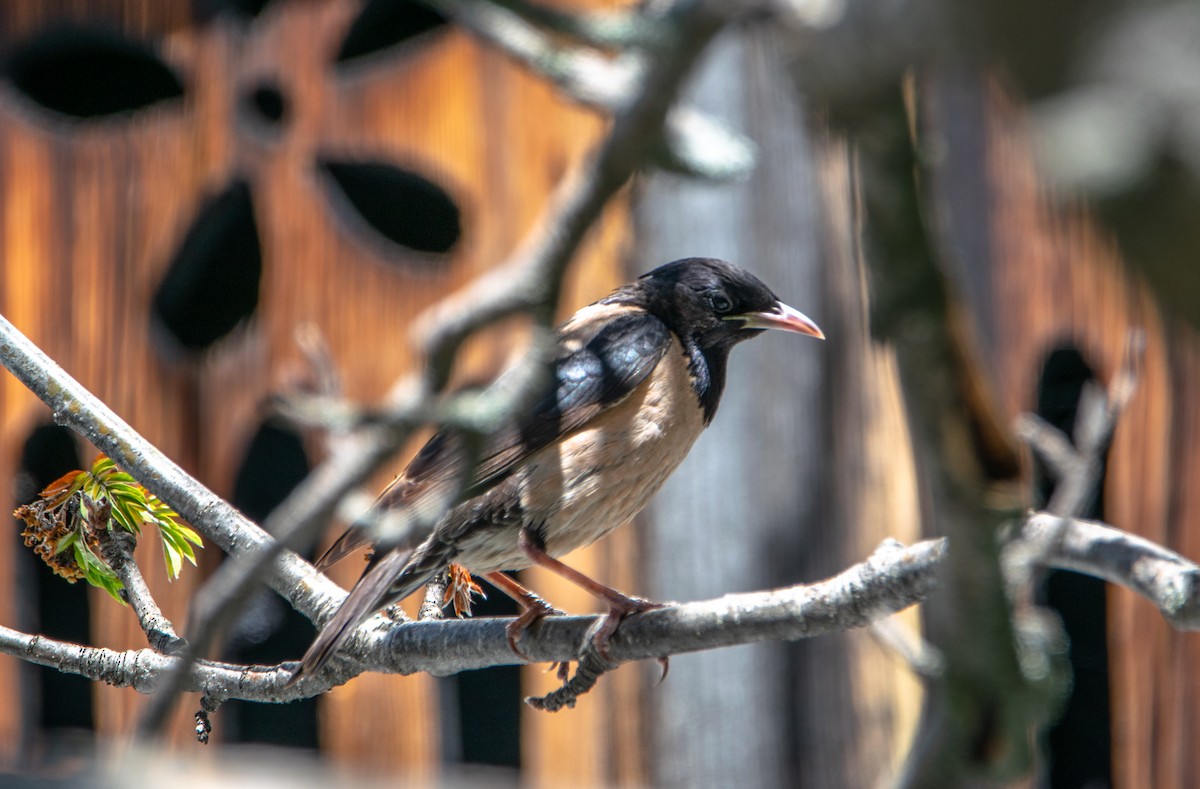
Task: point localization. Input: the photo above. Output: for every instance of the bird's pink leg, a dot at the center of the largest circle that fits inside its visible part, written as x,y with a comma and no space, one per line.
533,608
619,605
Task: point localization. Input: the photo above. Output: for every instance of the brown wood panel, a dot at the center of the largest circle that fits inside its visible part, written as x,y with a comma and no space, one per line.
1058,278
873,488
75,286
92,213
139,17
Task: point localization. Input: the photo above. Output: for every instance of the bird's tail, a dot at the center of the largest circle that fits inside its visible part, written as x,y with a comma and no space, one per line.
388,580
357,536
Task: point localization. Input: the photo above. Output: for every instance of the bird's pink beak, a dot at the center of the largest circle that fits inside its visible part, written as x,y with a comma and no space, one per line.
783,317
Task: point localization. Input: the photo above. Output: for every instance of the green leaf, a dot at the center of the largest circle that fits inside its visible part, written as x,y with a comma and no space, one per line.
65,542
189,535
131,506
96,572
125,489
174,564
113,586
178,545
124,517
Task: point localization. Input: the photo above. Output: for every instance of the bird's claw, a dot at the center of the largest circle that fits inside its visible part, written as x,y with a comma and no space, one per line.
561,669
536,610
619,608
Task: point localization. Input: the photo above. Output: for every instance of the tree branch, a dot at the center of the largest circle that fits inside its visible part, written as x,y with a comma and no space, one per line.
894,578
118,545
692,142
75,407
1163,577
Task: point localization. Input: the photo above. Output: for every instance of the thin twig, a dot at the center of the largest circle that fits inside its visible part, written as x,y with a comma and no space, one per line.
1077,467
924,659
617,29
1050,443
582,74
117,545
1163,577
692,142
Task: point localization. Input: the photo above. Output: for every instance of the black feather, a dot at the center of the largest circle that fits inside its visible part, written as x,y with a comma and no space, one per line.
389,579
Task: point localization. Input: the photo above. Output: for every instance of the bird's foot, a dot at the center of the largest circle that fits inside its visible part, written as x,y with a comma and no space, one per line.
619,607
561,669
535,609
594,660
665,662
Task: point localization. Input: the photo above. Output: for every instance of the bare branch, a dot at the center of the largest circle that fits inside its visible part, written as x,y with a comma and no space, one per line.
75,407
586,76
893,578
118,545
1163,577
692,143
924,659
620,28
141,669
1050,443
890,580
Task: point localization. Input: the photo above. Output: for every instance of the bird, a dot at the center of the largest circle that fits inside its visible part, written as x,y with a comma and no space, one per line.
636,377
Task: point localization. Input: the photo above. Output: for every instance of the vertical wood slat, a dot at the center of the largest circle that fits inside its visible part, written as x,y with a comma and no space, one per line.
872,496
23,233
1057,278
873,477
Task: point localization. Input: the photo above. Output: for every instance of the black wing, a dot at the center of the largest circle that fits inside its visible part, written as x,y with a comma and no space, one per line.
605,353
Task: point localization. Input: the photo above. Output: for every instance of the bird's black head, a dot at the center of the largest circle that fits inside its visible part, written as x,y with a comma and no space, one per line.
711,306
715,304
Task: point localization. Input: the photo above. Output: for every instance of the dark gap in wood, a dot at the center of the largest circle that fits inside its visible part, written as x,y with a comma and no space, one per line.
57,707
489,702
269,630
205,10
212,282
90,72
1078,747
401,206
387,24
265,106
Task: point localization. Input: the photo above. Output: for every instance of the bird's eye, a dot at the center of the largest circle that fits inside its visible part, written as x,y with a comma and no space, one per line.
720,303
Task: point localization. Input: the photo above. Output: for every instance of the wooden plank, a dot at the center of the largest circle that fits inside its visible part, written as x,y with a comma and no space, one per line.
1058,278
92,214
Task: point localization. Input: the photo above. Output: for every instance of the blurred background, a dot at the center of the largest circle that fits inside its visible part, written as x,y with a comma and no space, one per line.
184,183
